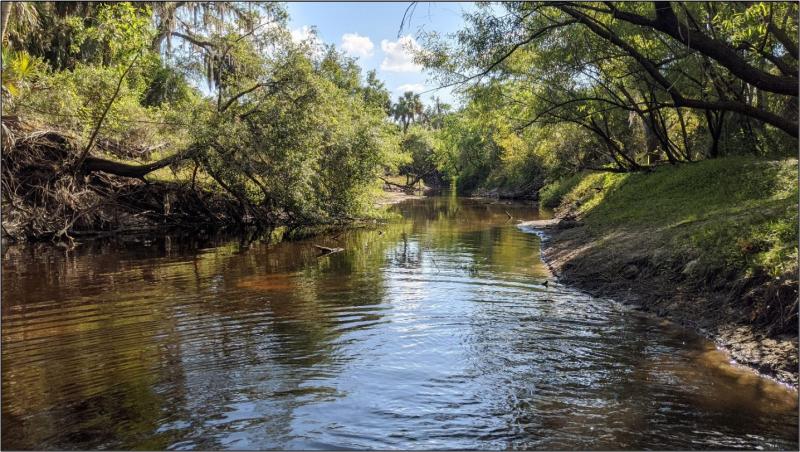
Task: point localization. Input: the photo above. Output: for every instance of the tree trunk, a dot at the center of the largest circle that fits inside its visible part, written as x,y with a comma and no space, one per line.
5,11
91,164
715,129
688,152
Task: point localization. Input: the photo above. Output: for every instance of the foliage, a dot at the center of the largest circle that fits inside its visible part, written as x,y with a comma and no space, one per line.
19,71
552,194
418,144
375,92
310,154
480,149
292,134
115,33
616,86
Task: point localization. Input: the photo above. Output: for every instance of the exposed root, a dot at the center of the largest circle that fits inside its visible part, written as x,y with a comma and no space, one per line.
43,199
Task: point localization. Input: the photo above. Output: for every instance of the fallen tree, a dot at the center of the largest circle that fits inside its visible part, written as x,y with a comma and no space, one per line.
410,186
45,199
92,164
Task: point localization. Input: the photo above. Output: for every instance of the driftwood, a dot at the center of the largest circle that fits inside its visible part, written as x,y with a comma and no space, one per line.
325,250
554,223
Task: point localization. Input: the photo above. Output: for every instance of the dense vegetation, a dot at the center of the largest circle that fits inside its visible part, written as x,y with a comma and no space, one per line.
666,129
213,105
554,88
217,102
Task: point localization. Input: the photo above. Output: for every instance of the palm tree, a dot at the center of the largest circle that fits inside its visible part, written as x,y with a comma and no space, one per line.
407,109
25,15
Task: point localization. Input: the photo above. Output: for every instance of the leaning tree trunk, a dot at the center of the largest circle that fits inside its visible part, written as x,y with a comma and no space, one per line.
91,164
5,10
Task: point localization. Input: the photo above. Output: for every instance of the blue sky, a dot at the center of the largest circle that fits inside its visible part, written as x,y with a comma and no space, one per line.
368,31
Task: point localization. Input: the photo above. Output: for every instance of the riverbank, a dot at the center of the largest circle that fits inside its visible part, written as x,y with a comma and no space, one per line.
48,195
710,245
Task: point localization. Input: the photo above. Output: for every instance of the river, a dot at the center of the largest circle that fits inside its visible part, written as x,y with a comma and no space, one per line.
434,331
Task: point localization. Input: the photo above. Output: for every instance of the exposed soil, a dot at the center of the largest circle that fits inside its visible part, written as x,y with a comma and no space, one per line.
737,314
46,197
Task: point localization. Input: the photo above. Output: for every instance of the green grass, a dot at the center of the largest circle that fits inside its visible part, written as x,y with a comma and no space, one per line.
739,213
550,195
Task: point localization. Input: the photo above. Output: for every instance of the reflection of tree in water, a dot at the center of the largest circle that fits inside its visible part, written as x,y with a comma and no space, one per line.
231,345
206,329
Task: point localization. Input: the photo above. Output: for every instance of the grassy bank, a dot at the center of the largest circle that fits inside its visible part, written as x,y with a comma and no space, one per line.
711,244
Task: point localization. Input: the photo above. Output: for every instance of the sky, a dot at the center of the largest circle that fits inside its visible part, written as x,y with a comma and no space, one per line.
369,31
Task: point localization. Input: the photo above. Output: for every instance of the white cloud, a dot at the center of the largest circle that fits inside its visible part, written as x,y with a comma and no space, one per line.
303,33
414,87
356,45
399,56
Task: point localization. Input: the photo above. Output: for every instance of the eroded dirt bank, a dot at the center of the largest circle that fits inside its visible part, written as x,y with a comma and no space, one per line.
49,195
633,268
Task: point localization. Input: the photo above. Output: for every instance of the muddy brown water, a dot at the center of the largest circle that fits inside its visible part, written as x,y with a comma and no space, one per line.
431,332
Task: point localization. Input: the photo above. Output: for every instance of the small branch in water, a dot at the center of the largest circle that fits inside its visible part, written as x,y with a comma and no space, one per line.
435,264
325,250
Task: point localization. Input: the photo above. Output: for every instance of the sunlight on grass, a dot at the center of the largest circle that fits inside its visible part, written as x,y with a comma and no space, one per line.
740,212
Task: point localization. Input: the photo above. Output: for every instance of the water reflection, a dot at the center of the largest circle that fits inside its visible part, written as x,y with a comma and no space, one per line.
433,331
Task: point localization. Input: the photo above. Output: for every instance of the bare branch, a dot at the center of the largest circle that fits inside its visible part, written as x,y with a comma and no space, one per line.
237,96
787,125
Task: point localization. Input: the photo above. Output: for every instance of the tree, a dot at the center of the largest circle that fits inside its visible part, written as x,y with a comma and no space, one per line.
419,143
646,80
407,109
375,92
286,134
434,114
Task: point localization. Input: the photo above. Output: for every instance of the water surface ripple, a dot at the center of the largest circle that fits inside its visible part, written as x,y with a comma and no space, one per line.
432,332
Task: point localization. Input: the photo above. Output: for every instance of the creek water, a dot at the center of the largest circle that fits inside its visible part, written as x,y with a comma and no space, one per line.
434,331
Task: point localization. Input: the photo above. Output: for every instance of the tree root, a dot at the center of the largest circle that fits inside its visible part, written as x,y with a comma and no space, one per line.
44,200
